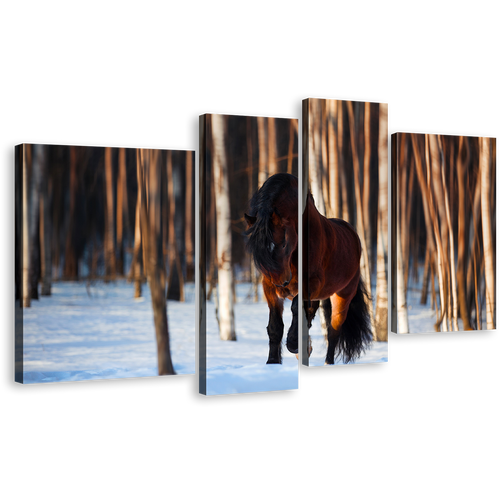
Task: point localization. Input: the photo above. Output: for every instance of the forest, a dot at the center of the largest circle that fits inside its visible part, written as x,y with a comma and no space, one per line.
444,231
345,146
102,214
240,153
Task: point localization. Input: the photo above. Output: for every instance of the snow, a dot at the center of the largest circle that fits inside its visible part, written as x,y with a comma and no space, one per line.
100,332
422,318
239,367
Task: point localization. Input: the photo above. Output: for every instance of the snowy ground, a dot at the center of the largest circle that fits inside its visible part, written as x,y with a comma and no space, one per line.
237,367
422,318
98,332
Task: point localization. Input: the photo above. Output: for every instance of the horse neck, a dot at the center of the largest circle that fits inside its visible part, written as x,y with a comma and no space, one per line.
317,223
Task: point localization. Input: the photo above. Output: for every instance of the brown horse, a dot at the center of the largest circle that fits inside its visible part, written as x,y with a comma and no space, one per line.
332,252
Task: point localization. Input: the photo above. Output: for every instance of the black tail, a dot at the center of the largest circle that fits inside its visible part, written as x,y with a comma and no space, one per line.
356,332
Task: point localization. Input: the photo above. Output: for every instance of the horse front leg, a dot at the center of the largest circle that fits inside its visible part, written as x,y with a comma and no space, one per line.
292,338
275,325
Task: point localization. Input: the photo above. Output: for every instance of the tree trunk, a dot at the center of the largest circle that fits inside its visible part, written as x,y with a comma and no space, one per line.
151,236
402,310
45,226
70,258
37,167
271,134
175,289
489,272
333,160
364,265
225,274
189,217
263,166
381,311
462,239
121,207
109,245
26,295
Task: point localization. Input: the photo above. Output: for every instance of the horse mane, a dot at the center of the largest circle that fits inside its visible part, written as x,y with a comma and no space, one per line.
262,206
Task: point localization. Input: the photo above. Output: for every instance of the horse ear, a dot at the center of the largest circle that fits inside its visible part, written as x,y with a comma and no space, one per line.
250,220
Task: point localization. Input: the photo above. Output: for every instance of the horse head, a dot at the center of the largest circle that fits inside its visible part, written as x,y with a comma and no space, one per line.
277,243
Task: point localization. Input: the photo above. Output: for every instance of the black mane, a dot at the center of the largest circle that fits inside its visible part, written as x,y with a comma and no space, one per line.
262,206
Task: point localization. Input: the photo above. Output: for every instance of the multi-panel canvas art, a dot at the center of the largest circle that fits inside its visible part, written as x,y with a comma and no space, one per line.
104,263
105,249
443,233
345,292
248,254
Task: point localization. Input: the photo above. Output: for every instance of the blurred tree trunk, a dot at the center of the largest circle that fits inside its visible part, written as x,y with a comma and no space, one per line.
402,309
109,234
364,264
293,125
254,277
462,258
225,274
381,311
151,232
486,180
346,211
26,295
45,225
263,165
273,164
135,268
333,160
189,217
37,167
121,209
453,284
175,289
70,260
366,182
314,148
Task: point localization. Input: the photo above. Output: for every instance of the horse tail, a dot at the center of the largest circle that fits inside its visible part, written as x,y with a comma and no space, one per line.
356,333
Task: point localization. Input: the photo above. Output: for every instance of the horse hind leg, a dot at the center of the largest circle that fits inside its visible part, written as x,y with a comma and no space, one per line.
338,314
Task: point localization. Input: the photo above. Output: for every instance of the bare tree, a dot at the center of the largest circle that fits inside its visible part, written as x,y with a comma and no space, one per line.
149,172
486,181
381,326
225,274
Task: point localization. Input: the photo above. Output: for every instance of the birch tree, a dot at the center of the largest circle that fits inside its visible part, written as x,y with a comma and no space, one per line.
381,326
223,211
486,178
149,173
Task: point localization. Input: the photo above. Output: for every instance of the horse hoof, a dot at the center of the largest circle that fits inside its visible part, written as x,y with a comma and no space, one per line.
273,362
297,356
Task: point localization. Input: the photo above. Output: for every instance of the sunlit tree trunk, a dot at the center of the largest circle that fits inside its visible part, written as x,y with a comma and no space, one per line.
225,274
314,149
263,163
381,311
109,238
293,130
366,182
273,164
486,179
364,264
135,269
333,160
152,239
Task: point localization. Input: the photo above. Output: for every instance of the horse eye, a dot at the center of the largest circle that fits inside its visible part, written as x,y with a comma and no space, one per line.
271,247
284,244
